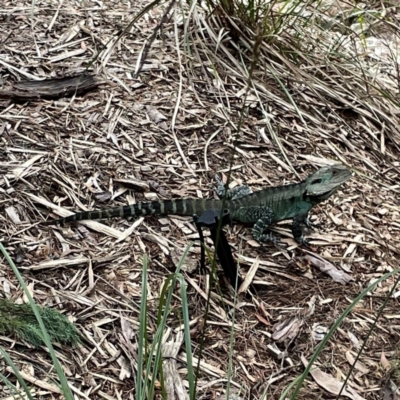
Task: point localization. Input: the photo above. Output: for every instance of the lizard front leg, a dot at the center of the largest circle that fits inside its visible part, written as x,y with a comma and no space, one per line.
296,228
231,194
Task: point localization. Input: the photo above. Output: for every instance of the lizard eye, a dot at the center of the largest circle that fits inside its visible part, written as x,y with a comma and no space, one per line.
316,181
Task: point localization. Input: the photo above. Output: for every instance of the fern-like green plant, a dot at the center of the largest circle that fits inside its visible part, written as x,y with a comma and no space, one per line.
20,320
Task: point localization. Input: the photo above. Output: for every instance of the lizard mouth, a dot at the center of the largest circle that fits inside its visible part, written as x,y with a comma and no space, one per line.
323,195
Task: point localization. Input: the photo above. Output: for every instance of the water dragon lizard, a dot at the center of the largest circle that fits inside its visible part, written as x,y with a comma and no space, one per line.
261,208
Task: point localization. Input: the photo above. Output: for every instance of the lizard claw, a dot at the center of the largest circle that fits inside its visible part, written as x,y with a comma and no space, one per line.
274,239
303,241
218,179
311,225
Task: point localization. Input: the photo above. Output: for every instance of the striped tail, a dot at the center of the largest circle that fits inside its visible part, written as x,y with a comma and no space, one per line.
177,207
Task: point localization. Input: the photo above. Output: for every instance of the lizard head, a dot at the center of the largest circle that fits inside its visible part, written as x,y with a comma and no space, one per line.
324,182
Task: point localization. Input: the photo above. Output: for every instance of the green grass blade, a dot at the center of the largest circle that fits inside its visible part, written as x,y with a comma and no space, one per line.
140,377
323,343
63,380
188,341
17,374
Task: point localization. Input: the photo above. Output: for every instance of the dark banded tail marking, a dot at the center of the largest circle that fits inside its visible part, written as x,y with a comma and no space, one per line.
186,207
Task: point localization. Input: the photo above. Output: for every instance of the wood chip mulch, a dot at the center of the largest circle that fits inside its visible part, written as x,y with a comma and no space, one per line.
163,134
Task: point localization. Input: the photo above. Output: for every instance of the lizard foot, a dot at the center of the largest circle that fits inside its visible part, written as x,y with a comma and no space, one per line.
234,193
303,241
311,225
268,237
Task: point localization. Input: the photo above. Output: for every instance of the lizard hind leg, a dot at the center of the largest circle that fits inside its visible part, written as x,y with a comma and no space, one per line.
231,194
261,226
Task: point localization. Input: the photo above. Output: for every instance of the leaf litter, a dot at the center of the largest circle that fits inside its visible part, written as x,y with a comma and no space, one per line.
165,133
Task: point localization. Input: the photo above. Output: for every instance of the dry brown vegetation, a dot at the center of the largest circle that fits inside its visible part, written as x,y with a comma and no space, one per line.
165,133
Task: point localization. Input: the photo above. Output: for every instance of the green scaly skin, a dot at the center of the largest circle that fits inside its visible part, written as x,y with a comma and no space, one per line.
261,208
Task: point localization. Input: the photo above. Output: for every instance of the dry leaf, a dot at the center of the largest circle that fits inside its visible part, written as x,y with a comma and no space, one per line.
359,366
319,332
13,215
155,115
384,362
328,268
287,329
331,384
